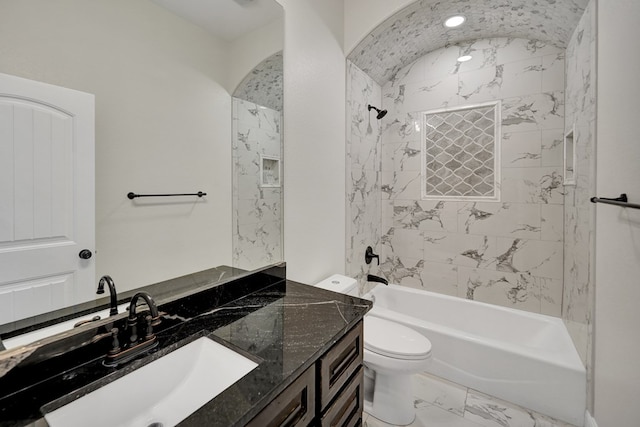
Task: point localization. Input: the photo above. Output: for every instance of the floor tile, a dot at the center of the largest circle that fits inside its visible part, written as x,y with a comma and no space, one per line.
433,416
439,392
441,403
489,411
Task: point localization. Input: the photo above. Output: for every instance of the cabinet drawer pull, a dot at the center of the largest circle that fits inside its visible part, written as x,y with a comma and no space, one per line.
346,411
343,361
296,409
339,364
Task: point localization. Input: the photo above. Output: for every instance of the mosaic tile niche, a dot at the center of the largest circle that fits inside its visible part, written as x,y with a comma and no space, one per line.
460,149
507,252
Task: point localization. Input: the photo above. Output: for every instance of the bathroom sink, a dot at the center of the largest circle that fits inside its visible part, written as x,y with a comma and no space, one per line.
161,393
48,331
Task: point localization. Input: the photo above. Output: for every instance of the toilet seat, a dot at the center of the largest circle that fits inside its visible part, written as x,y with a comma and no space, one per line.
394,340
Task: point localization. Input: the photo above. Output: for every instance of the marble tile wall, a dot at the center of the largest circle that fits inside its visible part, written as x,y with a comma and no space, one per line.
579,215
510,252
363,172
257,211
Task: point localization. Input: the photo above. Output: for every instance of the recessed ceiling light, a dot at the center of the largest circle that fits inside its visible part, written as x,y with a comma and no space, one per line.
454,21
465,58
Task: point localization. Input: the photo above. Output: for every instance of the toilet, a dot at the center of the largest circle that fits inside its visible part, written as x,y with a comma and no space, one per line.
392,354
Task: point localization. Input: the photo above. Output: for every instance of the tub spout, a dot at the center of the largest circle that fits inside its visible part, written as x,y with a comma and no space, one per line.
372,278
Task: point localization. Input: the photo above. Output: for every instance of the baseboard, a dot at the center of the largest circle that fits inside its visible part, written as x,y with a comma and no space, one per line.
589,421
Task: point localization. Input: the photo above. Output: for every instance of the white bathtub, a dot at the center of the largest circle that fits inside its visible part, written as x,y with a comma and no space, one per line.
524,358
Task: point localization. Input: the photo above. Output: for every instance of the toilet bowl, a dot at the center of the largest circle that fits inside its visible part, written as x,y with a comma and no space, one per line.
392,354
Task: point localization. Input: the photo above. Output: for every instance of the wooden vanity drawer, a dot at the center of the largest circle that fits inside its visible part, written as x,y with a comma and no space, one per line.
346,411
339,364
294,407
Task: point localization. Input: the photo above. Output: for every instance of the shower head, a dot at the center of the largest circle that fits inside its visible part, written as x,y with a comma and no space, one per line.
381,113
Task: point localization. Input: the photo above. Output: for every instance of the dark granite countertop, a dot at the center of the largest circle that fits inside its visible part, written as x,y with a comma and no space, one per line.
283,325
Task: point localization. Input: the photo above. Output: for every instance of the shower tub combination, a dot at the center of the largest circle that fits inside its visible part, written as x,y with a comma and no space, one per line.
524,358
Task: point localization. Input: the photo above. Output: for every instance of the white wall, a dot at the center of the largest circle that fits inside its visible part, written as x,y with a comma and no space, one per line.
314,139
162,125
251,49
617,318
362,16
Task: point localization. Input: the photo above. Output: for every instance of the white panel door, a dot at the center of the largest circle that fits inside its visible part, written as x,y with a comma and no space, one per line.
46,197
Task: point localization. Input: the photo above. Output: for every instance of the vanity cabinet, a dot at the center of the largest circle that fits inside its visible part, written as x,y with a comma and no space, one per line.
329,393
294,407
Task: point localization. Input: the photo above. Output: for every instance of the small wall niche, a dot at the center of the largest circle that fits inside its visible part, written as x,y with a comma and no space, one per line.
569,158
269,171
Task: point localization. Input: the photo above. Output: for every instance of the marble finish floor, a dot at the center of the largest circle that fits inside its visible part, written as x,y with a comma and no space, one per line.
439,402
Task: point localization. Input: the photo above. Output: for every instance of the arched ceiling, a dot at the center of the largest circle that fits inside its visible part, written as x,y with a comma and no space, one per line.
263,85
418,29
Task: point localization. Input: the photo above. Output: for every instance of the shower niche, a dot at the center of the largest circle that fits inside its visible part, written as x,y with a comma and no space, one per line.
269,171
569,158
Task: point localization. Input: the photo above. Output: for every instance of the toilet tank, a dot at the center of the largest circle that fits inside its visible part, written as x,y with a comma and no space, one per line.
341,284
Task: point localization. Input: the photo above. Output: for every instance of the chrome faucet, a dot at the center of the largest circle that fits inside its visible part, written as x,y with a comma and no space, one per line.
112,290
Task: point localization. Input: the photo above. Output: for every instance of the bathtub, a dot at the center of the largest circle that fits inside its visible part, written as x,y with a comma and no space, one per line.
524,358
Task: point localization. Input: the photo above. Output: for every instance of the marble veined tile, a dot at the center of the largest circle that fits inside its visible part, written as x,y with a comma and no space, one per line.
431,95
439,277
489,411
406,242
251,211
550,296
521,149
483,54
480,85
500,219
425,215
255,116
433,416
257,244
536,257
516,49
365,152
404,156
552,147
467,250
430,390
404,271
514,290
401,185
440,63
532,185
533,112
553,69
522,77
401,127
552,222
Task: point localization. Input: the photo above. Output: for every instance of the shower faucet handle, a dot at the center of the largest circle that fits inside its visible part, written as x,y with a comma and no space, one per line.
369,255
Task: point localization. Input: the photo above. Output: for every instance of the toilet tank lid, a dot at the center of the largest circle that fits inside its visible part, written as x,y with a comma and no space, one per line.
338,283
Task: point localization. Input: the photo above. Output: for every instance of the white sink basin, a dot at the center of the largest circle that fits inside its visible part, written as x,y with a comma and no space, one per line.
42,333
165,392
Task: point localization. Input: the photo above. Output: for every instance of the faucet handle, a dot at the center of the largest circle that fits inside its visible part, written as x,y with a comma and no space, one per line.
369,255
115,343
132,325
149,334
